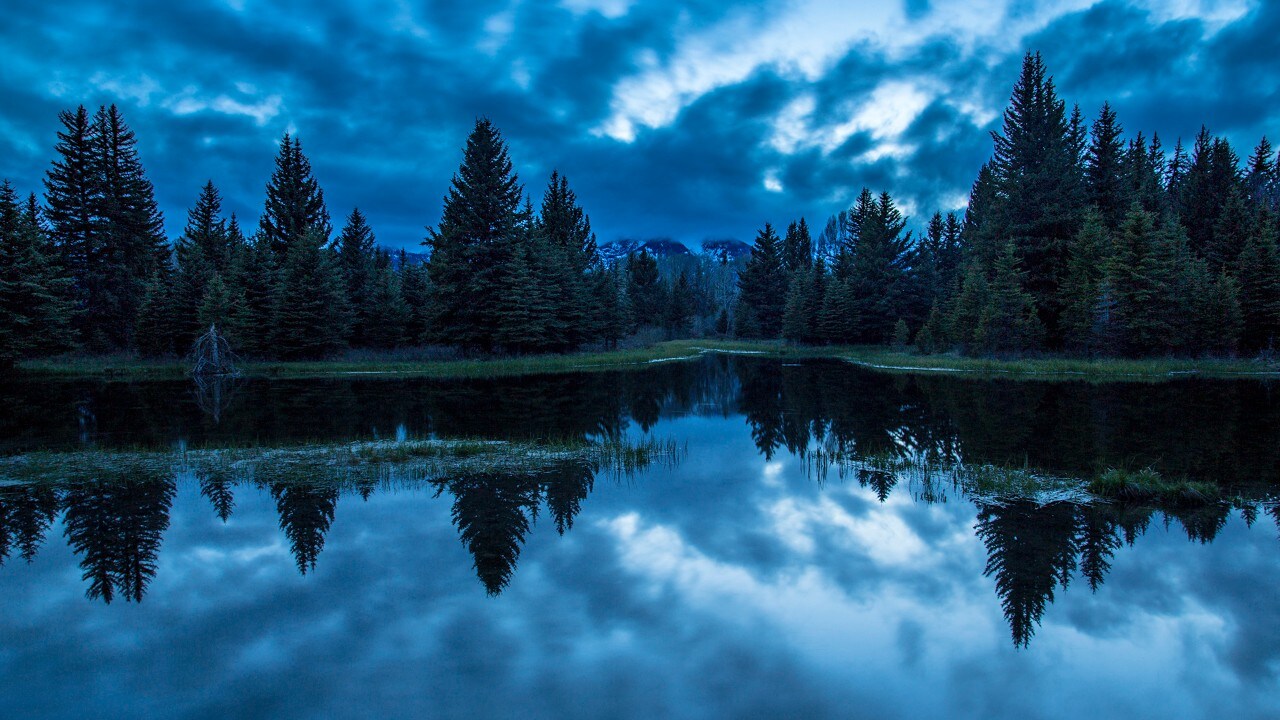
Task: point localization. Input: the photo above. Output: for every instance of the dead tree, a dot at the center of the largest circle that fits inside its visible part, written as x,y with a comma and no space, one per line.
211,356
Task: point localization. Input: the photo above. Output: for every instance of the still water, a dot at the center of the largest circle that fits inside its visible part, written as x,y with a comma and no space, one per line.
744,577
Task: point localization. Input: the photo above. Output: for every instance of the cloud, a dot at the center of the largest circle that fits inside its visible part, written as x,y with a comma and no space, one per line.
692,119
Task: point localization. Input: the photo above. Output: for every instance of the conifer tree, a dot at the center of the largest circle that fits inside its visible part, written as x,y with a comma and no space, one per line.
356,247
1081,291
797,247
1212,177
295,203
569,256
762,285
644,290
1262,180
311,315
1104,171
610,303
35,294
1008,322
131,224
203,252
416,294
878,278
679,311
390,317
1037,176
1258,273
478,230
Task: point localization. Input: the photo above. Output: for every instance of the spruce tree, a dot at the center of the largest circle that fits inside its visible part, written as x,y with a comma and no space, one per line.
1262,180
311,314
797,247
679,311
356,247
1081,290
389,316
417,296
470,248
762,285
1258,273
202,253
569,256
1104,169
879,278
1038,183
295,203
135,247
644,290
1008,322
35,294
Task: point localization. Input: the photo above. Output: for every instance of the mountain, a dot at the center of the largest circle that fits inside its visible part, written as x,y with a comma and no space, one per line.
412,258
726,250
660,248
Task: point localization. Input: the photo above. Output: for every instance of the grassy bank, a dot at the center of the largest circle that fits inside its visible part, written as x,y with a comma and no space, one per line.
878,358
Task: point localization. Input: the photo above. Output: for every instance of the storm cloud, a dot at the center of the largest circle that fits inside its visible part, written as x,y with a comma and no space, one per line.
683,119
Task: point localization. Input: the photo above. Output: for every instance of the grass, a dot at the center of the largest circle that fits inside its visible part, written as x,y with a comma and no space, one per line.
931,477
874,357
339,463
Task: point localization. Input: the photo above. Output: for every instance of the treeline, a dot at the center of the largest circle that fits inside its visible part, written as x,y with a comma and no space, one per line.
91,269
1075,240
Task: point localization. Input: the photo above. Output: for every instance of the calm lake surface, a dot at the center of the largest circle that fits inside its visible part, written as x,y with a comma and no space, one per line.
743,576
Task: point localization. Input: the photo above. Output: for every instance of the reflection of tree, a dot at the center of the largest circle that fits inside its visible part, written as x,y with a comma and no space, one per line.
881,482
1202,523
115,526
565,490
1098,539
306,511
217,488
1030,550
26,511
492,513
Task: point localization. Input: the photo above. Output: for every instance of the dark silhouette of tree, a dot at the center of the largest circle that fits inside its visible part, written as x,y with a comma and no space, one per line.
116,525
294,206
492,513
1031,550
762,285
306,512
26,512
219,491
474,243
35,294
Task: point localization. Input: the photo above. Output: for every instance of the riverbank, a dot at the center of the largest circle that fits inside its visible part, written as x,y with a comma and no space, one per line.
876,358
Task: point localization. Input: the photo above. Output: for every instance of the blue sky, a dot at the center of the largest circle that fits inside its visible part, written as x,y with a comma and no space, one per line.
687,119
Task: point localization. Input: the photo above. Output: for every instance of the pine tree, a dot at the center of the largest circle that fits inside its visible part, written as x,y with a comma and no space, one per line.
1104,169
1038,180
569,255
311,315
389,316
1262,180
644,291
797,247
679,311
356,247
1008,322
35,294
879,281
1212,177
202,252
295,203
417,296
159,327
1081,291
1258,272
1229,233
135,245
473,243
762,285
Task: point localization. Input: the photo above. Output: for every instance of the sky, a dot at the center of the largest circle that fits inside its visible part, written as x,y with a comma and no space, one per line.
690,119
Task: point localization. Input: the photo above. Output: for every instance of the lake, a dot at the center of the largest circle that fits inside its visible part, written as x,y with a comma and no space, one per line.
788,550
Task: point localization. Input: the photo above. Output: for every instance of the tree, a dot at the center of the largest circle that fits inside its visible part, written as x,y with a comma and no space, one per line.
1258,273
1008,322
35,294
567,258
356,247
1038,185
797,247
389,316
1082,288
679,312
475,240
203,252
644,289
763,287
417,296
295,203
311,318
1104,169
879,278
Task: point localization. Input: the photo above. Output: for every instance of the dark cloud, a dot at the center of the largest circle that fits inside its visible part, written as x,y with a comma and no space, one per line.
384,93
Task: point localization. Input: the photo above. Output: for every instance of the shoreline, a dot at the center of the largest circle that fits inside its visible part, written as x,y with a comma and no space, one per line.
875,358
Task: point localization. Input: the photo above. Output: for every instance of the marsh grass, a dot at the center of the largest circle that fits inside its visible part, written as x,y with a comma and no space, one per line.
343,463
436,364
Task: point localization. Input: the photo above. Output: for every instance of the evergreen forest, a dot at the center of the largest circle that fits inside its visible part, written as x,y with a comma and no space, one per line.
1078,239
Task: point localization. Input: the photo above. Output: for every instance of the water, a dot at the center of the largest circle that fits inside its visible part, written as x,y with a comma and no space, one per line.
743,578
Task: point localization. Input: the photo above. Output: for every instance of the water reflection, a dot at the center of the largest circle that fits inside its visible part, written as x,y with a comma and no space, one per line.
1225,432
